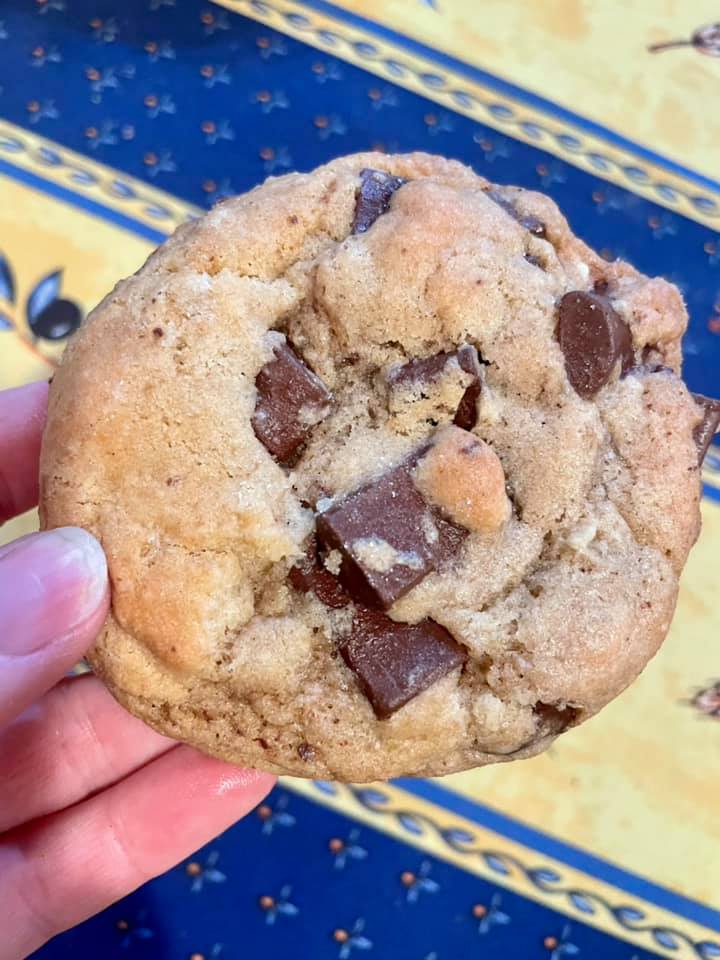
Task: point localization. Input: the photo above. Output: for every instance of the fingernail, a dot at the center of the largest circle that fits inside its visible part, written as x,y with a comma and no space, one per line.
49,584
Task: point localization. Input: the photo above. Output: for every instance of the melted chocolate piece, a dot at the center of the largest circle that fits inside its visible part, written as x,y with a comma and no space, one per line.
394,662
593,337
373,197
534,225
466,414
644,369
708,426
291,399
419,370
310,575
426,369
385,546
531,223
306,751
552,721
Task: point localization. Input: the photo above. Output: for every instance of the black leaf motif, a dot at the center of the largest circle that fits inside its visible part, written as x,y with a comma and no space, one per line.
47,290
7,281
705,40
58,320
48,316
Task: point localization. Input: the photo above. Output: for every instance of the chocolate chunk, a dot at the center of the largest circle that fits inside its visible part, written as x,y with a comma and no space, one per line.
373,197
306,751
552,720
534,225
394,662
593,337
531,223
466,414
535,261
419,370
426,369
645,369
310,575
708,426
388,536
291,400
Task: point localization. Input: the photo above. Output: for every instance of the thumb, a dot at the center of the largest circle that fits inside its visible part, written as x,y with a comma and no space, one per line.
53,600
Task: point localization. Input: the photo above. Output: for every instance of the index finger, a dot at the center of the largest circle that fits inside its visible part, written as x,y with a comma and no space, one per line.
22,418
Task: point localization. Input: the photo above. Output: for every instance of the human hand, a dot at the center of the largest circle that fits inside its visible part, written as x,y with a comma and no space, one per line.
92,802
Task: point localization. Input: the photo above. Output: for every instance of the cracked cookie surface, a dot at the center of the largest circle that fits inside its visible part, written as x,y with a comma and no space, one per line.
395,475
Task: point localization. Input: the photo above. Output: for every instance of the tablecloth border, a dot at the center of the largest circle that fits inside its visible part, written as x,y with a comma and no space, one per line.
466,90
93,187
506,87
566,853
519,858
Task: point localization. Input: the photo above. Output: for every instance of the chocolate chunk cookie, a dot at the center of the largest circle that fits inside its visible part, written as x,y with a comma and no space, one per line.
394,474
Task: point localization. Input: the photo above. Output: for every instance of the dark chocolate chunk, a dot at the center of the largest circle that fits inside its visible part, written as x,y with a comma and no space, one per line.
394,662
534,225
310,575
306,751
531,223
535,261
388,536
593,337
552,720
291,399
466,414
373,197
708,426
427,369
419,370
645,369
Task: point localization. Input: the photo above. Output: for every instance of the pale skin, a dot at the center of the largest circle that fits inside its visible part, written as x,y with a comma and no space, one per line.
92,802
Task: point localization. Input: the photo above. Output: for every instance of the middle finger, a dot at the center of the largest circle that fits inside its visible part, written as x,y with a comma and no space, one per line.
76,740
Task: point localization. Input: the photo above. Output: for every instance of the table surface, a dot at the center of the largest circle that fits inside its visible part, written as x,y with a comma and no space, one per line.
117,126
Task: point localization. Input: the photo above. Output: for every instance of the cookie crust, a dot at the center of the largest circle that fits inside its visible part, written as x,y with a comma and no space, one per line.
150,445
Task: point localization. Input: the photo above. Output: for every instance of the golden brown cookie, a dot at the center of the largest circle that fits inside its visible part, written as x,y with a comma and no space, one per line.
394,474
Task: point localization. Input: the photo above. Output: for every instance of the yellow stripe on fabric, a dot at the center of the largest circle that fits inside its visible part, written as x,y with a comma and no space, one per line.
591,58
40,235
509,865
590,151
113,190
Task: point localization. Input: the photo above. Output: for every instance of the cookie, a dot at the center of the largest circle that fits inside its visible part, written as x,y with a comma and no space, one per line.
394,474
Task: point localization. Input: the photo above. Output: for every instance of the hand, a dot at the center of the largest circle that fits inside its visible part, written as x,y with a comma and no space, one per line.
92,802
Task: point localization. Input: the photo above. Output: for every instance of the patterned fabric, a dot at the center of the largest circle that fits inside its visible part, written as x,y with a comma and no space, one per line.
322,887
117,123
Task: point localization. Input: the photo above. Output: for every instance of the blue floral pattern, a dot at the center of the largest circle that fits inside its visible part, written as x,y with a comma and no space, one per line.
280,906
207,872
283,895
345,851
